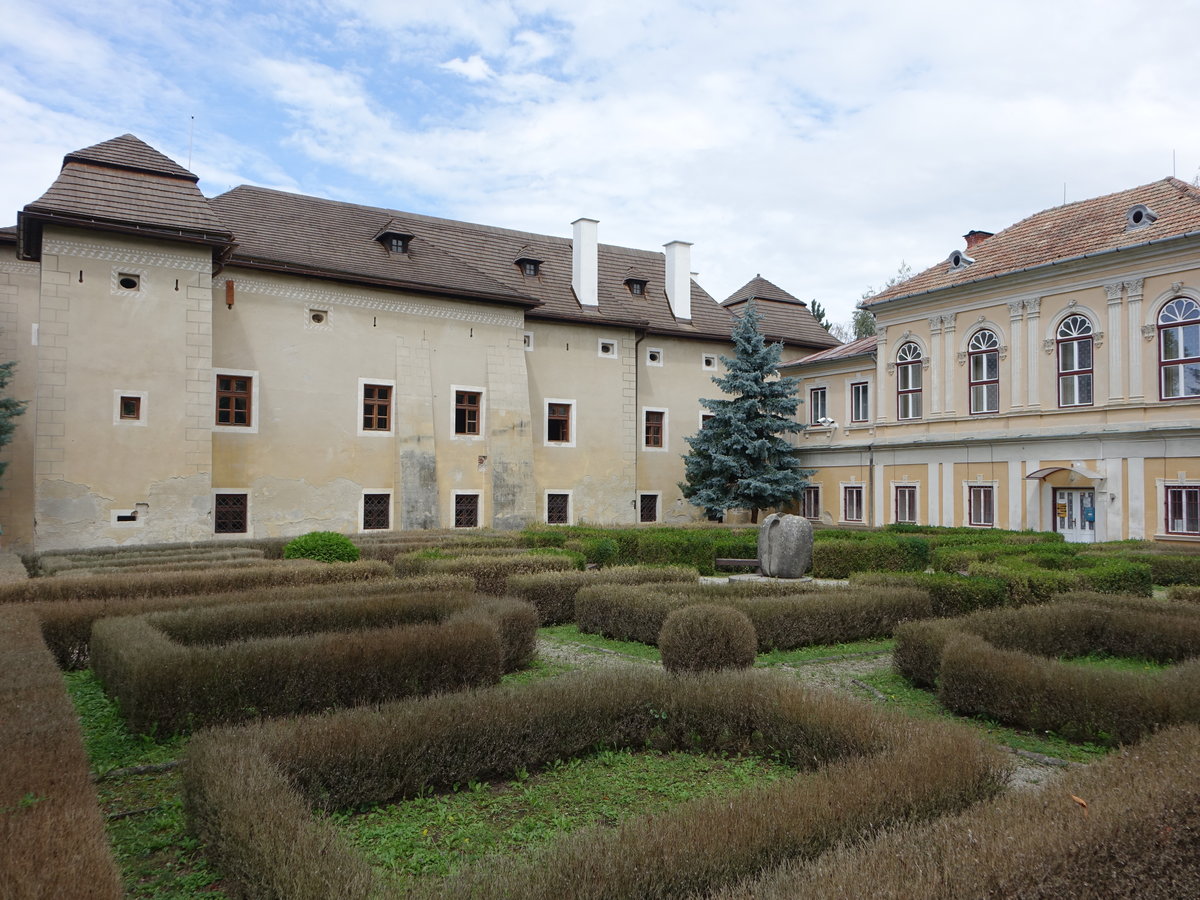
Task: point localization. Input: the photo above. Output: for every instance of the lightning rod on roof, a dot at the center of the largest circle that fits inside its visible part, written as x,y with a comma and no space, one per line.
191,132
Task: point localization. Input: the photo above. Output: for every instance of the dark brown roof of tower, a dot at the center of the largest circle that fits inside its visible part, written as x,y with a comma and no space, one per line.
124,185
1074,230
784,317
860,347
293,232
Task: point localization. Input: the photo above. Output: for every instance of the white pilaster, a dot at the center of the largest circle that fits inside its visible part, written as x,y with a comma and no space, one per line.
1117,377
1137,391
1033,319
1020,387
1136,506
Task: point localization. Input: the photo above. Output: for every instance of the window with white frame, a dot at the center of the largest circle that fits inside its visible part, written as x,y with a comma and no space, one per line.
1074,342
560,423
1182,509
654,429
818,406
231,512
983,364
908,381
860,401
466,510
558,508
1179,349
810,502
906,503
852,503
376,511
981,505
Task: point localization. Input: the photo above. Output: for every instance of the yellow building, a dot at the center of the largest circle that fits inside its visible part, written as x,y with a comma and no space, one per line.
1046,376
263,363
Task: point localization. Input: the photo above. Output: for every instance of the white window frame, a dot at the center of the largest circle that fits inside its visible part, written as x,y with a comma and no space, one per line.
468,438
666,435
479,511
255,385
866,402
910,368
968,509
382,382
546,442
657,495
815,489
915,487
815,415
708,362
527,341
616,348
1161,484
362,504
862,501
570,507
652,350
143,408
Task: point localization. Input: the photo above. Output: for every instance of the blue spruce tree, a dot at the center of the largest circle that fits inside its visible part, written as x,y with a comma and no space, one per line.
740,458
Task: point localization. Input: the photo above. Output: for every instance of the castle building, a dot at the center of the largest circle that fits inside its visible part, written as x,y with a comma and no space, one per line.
262,363
1046,376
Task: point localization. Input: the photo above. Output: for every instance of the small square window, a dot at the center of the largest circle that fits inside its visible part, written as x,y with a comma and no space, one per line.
654,356
637,286
129,281
466,510
131,408
527,340
608,349
708,361
558,509
318,317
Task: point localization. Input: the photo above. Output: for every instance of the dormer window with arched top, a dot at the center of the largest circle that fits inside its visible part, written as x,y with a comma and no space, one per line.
529,266
394,241
637,286
959,260
1139,216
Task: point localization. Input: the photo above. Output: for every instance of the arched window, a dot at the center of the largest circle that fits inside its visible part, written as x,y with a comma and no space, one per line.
983,355
1075,362
908,381
1179,349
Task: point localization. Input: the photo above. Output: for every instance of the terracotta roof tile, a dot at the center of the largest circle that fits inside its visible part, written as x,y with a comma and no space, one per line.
1064,232
861,347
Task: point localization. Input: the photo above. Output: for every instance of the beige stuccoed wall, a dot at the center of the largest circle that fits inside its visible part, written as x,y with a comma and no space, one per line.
20,282
307,465
96,341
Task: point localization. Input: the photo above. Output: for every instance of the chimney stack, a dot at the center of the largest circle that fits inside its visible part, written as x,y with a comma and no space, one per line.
976,237
679,279
585,271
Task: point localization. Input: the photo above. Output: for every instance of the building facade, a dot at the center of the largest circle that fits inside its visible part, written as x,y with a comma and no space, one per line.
263,363
1046,377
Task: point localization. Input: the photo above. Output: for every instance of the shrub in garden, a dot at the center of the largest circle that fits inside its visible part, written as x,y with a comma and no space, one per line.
489,572
704,638
876,553
1187,593
323,546
553,593
949,595
250,793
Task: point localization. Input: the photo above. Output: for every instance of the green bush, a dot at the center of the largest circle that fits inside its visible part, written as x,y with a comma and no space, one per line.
599,551
553,593
323,546
706,638
876,553
949,595
1118,576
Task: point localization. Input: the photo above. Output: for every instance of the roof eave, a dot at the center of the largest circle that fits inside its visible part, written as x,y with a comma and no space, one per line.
31,221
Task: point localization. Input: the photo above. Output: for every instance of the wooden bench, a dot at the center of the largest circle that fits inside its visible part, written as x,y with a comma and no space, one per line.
736,564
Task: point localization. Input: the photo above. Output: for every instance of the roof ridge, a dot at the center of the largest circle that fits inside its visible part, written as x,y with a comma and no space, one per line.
131,153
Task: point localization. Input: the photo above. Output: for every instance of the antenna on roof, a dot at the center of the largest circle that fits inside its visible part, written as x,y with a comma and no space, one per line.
1172,162
191,131
1064,193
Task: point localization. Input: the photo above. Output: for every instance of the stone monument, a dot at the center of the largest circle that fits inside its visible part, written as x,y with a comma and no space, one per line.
785,546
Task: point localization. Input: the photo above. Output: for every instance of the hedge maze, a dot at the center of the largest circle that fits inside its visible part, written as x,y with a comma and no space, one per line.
307,687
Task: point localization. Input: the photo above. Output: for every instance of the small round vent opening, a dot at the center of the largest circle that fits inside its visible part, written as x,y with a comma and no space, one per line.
129,282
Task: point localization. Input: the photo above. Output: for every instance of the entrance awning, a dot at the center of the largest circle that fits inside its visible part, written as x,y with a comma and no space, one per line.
1050,470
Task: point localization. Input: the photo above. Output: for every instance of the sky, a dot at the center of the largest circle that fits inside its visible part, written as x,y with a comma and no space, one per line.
819,144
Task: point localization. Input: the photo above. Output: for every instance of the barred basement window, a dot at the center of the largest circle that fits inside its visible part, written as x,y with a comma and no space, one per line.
466,510
377,511
558,509
229,513
648,508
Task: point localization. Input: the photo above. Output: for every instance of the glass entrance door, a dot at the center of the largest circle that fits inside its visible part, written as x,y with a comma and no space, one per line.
1075,514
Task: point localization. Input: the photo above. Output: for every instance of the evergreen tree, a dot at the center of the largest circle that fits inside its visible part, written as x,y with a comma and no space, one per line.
818,313
9,409
739,458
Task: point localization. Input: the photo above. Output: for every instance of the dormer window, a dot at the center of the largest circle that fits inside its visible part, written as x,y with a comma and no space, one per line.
394,241
529,267
959,260
1139,216
637,286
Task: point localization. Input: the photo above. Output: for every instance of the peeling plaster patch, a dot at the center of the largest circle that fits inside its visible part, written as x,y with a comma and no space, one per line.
179,510
65,503
284,507
512,494
418,490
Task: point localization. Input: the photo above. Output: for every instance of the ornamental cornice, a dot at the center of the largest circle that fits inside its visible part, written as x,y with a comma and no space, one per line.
456,311
126,255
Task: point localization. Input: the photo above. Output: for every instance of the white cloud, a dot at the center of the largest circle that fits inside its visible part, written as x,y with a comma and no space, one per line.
473,69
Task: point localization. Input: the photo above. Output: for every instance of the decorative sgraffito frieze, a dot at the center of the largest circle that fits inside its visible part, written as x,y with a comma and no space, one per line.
126,256
313,297
16,267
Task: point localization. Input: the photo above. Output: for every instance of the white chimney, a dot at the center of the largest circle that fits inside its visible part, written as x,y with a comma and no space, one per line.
679,278
585,273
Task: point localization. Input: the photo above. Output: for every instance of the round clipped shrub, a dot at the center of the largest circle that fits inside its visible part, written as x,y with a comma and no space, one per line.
705,637
326,546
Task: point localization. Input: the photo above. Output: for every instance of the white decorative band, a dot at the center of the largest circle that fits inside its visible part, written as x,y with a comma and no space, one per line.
200,262
15,267
315,297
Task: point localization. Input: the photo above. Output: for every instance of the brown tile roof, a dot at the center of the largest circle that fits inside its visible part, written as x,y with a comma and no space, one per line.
8,234
861,347
1064,232
290,231
784,317
124,184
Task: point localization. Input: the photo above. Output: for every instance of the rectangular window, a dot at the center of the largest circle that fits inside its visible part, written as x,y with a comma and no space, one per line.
466,412
981,503
233,400
860,401
377,512
648,508
852,503
1075,372
376,407
558,509
810,502
817,407
1183,510
908,390
229,513
466,510
655,420
131,408
558,423
906,503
